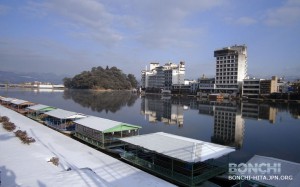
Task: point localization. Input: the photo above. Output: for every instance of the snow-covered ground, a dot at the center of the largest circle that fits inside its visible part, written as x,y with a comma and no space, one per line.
27,165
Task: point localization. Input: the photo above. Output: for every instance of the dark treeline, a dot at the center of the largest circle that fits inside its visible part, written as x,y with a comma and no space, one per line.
100,78
111,101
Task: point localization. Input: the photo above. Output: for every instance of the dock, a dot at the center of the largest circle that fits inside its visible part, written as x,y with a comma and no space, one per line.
79,165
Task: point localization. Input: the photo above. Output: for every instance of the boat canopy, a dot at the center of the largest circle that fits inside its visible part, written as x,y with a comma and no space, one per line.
178,147
7,99
105,125
64,114
19,102
40,107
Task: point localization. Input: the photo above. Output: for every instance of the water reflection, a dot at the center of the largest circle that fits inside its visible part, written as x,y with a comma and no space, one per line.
229,126
166,110
229,117
101,101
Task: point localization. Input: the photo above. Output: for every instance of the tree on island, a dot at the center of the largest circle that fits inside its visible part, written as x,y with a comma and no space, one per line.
100,78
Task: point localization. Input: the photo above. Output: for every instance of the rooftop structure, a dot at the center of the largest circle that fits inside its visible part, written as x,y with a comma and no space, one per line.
6,100
38,107
64,114
62,120
19,105
103,133
36,112
185,161
178,147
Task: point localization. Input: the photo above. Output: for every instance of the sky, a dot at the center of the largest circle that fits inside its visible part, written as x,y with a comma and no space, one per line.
67,37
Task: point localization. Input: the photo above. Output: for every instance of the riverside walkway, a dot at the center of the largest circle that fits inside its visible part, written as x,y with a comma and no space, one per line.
79,165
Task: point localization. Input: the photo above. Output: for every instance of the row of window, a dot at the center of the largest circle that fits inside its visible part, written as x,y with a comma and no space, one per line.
226,77
226,73
226,65
226,57
227,86
228,69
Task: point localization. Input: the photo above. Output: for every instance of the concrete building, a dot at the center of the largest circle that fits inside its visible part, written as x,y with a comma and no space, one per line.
268,86
205,85
163,77
231,68
251,87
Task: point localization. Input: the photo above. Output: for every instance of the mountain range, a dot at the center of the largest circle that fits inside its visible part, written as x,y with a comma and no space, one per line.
16,77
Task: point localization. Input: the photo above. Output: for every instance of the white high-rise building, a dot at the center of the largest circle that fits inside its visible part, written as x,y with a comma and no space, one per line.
163,77
231,68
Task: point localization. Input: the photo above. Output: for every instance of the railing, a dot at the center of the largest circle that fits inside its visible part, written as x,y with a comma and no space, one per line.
183,179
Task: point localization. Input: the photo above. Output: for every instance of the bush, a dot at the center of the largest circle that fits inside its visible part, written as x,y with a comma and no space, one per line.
22,135
9,126
4,119
54,160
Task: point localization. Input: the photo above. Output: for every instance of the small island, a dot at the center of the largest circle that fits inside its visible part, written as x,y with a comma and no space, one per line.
102,79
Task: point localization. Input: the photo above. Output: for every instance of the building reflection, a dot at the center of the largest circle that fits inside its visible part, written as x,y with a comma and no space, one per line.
229,126
259,111
164,110
228,116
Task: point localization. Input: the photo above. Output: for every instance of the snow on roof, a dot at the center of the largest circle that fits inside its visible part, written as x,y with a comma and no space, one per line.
27,165
7,99
178,147
101,124
18,101
64,114
287,168
38,107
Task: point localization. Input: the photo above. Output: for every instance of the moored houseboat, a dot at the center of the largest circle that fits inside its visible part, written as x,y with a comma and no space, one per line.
37,112
103,133
20,105
5,101
62,120
184,161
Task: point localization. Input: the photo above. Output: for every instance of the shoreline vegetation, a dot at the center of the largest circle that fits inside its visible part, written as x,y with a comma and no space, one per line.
99,78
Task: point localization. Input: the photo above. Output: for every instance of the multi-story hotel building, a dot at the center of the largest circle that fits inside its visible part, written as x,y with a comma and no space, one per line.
163,77
231,68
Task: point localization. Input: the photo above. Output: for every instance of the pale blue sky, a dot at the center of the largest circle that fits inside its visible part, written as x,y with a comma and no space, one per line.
70,36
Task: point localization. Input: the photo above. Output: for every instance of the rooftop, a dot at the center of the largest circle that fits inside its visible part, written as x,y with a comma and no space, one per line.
64,114
7,99
181,148
19,101
38,107
105,125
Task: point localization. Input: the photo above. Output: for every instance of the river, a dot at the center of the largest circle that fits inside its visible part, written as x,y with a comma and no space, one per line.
268,129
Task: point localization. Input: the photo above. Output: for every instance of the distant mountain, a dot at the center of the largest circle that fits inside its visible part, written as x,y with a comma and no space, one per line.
15,78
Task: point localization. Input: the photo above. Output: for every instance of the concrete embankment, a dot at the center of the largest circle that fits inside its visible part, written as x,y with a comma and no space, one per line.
79,165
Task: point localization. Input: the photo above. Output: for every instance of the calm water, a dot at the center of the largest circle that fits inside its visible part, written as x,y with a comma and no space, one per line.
253,128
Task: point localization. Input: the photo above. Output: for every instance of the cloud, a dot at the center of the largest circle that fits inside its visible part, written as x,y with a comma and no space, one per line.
162,25
149,23
287,14
90,17
41,55
245,21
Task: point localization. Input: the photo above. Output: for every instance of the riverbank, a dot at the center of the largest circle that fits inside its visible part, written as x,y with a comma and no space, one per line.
79,165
